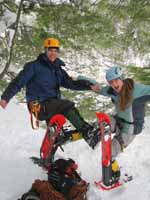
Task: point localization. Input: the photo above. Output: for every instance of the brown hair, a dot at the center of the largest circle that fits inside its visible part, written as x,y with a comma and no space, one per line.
126,94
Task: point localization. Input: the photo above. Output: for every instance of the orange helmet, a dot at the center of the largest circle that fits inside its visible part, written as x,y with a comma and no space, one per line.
51,42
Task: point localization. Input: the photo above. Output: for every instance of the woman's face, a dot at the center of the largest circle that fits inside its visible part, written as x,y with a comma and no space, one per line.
116,84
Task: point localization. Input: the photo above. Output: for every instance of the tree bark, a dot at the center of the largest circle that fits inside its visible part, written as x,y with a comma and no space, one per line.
7,65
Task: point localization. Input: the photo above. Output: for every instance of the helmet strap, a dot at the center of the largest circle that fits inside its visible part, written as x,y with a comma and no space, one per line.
122,77
49,48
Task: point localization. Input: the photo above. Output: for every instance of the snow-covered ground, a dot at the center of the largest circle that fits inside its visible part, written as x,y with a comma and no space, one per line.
17,172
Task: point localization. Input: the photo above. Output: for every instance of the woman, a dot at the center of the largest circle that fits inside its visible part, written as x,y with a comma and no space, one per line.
129,99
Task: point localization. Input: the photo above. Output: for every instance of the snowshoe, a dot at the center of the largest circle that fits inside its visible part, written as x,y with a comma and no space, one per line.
56,135
110,170
111,174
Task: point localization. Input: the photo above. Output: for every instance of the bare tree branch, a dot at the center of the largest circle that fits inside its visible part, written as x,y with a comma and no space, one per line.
12,75
4,3
13,41
95,3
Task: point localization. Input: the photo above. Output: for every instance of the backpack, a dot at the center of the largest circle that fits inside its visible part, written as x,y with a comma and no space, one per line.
64,183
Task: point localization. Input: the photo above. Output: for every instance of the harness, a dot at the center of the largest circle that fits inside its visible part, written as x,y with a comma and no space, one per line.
35,108
119,119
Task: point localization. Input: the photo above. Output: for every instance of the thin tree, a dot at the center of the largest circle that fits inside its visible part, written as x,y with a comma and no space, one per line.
7,65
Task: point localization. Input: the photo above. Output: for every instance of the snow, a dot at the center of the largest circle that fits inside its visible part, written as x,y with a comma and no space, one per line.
6,20
29,19
17,172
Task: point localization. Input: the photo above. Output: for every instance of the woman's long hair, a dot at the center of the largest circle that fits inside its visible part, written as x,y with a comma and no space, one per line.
125,96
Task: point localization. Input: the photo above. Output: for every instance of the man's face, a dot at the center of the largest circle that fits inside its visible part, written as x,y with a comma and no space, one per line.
116,84
52,54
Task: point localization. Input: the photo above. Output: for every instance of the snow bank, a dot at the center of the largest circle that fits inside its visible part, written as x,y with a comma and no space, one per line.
18,142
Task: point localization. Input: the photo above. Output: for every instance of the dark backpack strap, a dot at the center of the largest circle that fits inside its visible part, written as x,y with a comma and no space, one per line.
31,195
119,119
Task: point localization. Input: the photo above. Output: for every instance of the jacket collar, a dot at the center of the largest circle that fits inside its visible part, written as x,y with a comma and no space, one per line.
44,59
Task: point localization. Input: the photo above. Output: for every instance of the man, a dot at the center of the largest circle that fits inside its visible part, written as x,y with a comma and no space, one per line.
43,78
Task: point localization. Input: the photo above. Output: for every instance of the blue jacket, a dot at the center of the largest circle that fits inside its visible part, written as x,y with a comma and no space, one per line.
43,79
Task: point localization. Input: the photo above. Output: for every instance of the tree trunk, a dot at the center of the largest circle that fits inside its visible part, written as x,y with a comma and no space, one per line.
13,42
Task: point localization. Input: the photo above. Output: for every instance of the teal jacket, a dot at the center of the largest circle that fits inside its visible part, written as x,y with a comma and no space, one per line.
132,118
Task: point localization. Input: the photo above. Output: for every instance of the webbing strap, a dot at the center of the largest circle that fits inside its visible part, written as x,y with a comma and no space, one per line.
123,120
34,110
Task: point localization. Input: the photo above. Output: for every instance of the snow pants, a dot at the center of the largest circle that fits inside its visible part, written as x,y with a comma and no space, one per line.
116,147
119,138
52,106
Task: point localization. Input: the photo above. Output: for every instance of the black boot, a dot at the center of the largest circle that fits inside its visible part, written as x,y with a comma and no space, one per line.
115,171
91,135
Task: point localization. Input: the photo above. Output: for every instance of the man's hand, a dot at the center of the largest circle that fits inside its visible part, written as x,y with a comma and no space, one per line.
95,88
3,103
